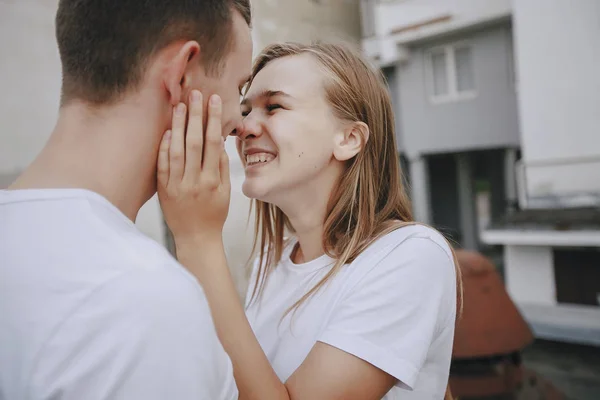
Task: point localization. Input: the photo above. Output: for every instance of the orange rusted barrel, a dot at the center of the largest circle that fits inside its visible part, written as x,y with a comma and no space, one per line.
491,324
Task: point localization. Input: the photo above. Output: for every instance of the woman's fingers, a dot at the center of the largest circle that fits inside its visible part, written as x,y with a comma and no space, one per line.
194,140
224,170
163,160
192,154
193,171
177,150
213,144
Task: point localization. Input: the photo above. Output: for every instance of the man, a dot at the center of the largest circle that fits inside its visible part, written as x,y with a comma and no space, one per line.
91,308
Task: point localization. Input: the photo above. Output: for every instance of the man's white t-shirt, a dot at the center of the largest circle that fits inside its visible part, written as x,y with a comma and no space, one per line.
92,309
394,307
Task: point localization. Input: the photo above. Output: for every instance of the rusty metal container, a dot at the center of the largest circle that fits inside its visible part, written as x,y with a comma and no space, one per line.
489,337
491,324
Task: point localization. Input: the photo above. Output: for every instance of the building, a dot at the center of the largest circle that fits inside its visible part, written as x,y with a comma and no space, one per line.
498,117
30,80
450,73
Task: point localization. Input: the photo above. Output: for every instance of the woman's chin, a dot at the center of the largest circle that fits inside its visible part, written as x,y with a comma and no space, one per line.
255,191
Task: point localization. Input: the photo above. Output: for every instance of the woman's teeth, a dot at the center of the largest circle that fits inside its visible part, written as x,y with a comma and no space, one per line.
256,158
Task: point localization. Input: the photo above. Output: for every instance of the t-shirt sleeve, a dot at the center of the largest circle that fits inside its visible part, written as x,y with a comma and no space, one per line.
145,335
391,316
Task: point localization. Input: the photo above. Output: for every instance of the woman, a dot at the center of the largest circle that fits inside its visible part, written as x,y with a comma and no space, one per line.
360,302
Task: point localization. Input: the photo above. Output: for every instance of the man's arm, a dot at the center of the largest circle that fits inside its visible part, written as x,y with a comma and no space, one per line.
144,335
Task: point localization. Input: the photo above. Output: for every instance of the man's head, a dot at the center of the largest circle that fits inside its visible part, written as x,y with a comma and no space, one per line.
111,49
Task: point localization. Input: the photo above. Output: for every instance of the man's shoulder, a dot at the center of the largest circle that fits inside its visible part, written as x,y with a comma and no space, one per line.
150,305
152,290
142,321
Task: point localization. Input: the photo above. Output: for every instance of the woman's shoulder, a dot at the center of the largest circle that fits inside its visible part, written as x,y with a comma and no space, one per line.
411,253
413,259
406,238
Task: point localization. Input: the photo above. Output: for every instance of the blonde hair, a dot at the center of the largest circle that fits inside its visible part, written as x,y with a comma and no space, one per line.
370,199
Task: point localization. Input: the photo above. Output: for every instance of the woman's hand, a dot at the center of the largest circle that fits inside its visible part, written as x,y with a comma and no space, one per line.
194,190
193,173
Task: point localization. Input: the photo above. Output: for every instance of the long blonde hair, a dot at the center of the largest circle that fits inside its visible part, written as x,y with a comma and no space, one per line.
370,199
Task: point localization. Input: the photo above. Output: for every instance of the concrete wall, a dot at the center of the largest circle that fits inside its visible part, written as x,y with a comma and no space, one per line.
30,80
305,20
394,14
391,24
558,59
525,265
487,120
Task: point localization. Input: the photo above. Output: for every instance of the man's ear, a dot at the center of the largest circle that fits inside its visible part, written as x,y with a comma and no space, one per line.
178,75
351,141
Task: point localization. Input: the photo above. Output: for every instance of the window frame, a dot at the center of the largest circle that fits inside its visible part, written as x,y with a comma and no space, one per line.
452,94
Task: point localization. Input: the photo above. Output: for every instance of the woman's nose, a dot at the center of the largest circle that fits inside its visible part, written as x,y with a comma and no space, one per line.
250,127
238,129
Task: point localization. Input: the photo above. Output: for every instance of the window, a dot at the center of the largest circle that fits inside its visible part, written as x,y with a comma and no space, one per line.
465,80
440,77
577,276
451,74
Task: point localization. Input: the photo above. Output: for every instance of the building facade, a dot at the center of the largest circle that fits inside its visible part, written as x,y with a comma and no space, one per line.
499,129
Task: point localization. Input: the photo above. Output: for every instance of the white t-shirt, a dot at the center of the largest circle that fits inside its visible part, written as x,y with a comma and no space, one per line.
92,309
394,307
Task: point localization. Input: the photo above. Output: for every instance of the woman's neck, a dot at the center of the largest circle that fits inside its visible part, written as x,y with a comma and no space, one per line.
307,216
310,245
306,207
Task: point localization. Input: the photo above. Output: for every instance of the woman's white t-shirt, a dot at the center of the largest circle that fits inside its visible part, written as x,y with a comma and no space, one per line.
394,307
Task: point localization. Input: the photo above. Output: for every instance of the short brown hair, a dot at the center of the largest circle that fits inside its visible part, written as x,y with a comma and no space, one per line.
104,44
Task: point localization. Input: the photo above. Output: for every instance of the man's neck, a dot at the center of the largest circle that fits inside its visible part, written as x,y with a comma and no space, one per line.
112,153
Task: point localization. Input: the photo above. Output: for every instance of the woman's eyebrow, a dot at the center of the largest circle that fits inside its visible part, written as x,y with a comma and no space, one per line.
267,93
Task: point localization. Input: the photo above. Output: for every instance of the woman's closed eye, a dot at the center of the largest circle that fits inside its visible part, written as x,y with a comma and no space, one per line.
273,107
270,108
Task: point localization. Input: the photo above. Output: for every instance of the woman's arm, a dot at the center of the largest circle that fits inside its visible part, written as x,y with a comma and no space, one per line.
253,374
327,372
194,189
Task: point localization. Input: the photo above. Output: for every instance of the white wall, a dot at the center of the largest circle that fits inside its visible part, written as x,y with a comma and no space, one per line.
304,20
529,274
29,78
558,63
391,15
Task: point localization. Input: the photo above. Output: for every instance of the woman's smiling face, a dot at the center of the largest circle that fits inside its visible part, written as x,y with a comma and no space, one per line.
288,139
